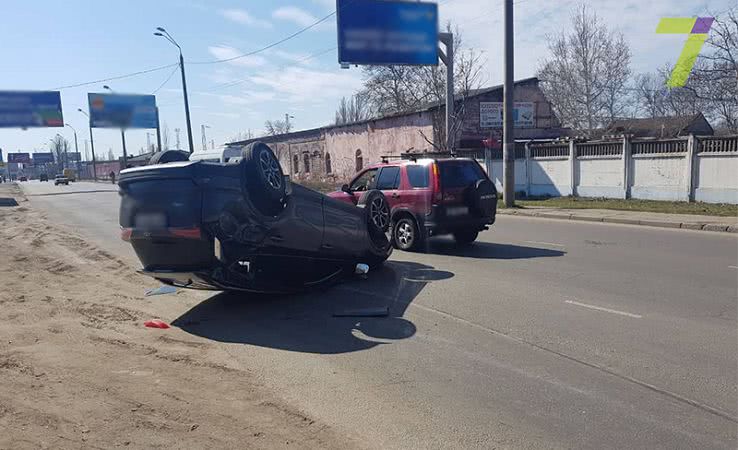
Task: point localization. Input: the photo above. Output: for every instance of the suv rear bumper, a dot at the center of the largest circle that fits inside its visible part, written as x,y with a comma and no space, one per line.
438,222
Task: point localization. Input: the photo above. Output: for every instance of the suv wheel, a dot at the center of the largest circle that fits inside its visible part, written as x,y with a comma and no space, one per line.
263,179
406,235
466,236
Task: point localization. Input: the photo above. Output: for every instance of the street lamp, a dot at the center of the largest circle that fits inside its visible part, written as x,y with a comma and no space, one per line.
163,33
122,134
76,148
92,144
203,127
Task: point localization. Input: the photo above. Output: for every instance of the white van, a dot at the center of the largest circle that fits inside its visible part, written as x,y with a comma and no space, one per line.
225,153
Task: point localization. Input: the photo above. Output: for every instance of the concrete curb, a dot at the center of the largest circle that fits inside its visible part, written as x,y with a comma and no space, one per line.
719,227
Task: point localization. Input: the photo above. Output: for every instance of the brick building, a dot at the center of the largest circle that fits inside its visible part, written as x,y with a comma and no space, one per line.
339,151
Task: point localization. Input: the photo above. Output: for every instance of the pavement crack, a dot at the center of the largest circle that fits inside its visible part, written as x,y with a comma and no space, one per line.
680,398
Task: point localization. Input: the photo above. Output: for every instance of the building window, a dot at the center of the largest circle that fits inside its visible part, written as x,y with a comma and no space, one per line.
296,164
359,160
328,168
306,162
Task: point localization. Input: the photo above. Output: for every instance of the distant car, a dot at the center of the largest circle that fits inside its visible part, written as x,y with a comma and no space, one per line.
61,179
429,196
23,178
242,225
43,177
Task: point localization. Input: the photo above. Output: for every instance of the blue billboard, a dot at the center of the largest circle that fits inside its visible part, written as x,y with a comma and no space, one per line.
43,158
122,111
387,32
30,109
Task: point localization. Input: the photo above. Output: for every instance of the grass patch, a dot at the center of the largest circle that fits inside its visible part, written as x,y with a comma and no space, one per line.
707,209
320,186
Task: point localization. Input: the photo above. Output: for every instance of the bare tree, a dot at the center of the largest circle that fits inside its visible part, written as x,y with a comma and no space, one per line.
353,109
586,76
392,89
275,127
60,147
714,78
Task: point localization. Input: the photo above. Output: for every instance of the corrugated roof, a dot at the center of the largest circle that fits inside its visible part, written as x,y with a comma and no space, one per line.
669,126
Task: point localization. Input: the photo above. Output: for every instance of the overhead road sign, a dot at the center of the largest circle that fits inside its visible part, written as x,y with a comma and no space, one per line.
122,111
382,32
30,109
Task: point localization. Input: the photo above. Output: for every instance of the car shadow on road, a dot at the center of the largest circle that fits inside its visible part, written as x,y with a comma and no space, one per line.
488,250
308,322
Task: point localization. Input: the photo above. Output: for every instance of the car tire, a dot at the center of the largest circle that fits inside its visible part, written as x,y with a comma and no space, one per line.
406,234
262,179
466,237
377,218
168,156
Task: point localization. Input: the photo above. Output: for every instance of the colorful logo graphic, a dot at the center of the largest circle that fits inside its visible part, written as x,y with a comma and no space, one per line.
697,29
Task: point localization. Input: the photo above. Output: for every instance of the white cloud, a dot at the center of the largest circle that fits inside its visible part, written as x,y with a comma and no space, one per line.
291,56
225,52
244,18
294,14
299,84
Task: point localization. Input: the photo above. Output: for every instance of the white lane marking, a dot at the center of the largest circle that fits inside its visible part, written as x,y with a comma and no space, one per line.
732,267
600,308
545,243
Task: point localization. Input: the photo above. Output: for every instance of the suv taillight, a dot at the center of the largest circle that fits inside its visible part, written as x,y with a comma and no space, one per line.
437,194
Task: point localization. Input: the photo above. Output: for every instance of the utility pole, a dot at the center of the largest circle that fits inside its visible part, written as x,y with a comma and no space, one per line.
92,145
447,39
176,134
508,149
287,118
158,131
148,141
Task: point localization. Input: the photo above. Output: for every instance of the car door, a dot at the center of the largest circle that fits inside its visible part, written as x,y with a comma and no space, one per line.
363,182
388,181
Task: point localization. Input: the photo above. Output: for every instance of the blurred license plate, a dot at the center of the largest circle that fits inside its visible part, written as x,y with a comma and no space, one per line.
150,220
457,210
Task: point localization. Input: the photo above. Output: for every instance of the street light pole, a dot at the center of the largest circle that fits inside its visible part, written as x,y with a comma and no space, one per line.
76,148
163,33
92,145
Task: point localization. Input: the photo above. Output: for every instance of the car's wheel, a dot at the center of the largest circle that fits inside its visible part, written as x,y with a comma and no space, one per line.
406,234
465,237
377,211
168,156
262,178
483,197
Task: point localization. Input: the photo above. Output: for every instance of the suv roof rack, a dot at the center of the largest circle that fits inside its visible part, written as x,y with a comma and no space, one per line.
414,156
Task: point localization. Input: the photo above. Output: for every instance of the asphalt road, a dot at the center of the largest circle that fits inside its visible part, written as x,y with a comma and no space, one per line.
544,334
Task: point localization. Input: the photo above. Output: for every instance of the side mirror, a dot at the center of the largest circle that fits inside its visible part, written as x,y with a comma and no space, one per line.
345,188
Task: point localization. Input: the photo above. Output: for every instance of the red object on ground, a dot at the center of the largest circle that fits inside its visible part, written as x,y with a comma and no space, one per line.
156,323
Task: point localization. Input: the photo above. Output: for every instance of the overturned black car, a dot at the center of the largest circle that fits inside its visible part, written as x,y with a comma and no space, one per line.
242,225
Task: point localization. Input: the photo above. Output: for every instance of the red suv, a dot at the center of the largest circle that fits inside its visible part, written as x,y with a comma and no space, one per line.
429,197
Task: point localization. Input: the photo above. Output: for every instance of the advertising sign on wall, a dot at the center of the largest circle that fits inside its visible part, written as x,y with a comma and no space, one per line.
490,114
23,158
43,158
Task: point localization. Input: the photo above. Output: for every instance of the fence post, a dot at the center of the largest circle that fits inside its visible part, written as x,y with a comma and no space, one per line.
689,172
527,169
626,166
573,167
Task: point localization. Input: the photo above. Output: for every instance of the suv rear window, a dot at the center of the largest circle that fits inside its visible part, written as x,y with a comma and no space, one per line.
417,175
456,174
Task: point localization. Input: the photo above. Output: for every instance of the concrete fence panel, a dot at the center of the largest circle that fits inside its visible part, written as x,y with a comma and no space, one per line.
599,176
716,170
550,176
659,177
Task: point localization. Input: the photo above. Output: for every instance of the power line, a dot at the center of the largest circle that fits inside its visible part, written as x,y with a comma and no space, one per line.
267,47
167,79
118,77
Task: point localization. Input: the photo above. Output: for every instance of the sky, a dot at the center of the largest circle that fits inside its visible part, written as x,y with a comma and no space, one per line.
48,44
